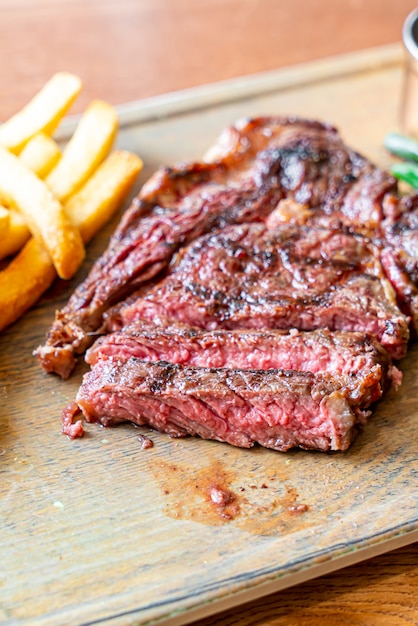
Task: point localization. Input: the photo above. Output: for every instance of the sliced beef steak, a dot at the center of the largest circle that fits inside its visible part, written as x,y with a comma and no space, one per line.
348,353
275,408
251,276
400,255
255,166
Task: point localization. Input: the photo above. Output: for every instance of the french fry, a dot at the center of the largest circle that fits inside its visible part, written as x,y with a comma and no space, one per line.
44,215
24,279
16,235
4,221
61,199
28,276
95,203
42,113
89,145
40,154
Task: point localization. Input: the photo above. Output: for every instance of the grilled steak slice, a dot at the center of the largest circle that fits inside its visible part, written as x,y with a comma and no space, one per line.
258,164
250,276
347,353
276,408
400,256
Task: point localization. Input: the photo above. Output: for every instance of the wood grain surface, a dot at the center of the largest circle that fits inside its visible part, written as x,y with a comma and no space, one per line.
379,592
127,49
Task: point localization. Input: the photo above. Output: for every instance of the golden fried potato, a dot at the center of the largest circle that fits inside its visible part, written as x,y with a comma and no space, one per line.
16,235
95,203
89,145
59,198
44,215
24,280
42,113
4,221
40,154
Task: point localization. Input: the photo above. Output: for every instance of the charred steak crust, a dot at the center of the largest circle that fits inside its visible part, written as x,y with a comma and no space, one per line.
251,276
256,297
400,255
196,397
275,408
347,353
255,165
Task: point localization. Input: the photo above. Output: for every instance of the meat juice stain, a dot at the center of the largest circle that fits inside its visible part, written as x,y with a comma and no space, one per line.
206,496
202,495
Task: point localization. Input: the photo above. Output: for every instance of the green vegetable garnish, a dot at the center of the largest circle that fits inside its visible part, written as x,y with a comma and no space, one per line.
401,146
407,172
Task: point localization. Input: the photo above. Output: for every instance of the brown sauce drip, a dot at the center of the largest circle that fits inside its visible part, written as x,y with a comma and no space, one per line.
214,495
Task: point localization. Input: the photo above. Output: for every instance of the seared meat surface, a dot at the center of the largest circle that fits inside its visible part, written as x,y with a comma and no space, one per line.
315,351
400,255
258,296
251,276
258,163
275,408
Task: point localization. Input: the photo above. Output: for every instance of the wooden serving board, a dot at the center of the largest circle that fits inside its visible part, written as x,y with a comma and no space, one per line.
100,531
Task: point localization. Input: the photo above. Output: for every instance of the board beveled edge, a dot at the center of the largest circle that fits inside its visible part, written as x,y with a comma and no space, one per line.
242,87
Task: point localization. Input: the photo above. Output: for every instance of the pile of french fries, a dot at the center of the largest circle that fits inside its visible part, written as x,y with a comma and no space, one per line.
52,202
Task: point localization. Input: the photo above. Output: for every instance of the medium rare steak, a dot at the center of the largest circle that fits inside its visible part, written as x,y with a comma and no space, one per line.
250,298
348,353
400,255
255,166
275,408
251,276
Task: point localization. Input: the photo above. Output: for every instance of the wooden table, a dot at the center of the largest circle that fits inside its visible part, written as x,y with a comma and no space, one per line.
129,49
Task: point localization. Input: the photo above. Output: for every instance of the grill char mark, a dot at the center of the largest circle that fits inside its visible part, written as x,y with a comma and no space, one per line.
305,278
256,164
275,408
